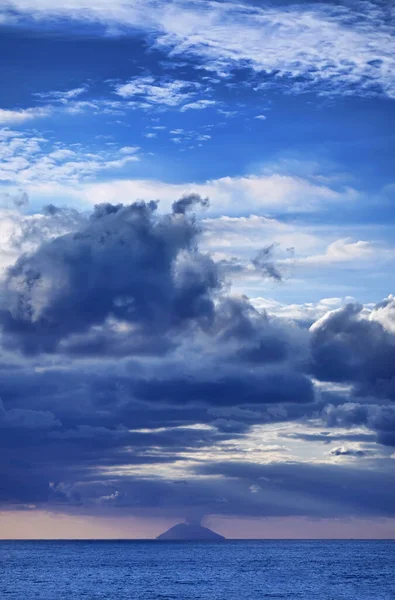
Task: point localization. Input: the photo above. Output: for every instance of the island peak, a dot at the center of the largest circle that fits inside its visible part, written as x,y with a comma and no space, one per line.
190,532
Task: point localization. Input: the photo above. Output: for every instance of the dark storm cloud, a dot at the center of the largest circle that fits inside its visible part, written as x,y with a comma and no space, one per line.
126,263
348,347
229,389
263,263
188,202
379,418
327,437
259,338
342,451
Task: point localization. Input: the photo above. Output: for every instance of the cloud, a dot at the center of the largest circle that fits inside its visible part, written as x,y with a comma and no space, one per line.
308,489
127,366
126,283
343,49
379,418
25,233
187,202
148,91
198,105
126,263
349,451
306,313
27,159
62,97
129,149
230,195
18,117
353,347
343,250
264,264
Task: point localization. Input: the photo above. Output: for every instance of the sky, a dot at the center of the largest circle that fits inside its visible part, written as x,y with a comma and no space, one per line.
196,268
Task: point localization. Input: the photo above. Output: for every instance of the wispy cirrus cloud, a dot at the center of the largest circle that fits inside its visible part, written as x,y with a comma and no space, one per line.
333,49
198,105
64,96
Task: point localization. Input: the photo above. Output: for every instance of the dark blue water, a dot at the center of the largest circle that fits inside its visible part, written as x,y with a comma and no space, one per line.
250,570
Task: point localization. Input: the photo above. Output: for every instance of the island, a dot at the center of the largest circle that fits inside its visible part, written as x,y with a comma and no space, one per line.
191,532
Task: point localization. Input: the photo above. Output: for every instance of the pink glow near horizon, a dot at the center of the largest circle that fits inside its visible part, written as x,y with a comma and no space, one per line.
41,525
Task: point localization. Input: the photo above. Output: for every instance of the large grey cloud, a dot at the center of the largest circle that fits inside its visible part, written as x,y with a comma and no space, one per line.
347,346
126,263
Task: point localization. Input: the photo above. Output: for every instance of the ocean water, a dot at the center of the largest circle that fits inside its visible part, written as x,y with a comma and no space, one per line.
233,570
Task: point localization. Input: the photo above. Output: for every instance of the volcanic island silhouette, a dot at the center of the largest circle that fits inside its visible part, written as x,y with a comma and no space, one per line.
191,532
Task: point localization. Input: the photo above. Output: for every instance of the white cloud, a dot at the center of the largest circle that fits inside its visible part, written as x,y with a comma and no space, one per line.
96,107
21,233
198,105
129,149
17,117
70,106
230,195
32,162
29,161
148,91
337,49
310,258
179,136
62,96
306,312
342,251
245,235
347,49
384,313
62,154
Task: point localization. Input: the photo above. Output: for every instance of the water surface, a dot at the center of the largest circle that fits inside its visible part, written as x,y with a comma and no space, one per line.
232,570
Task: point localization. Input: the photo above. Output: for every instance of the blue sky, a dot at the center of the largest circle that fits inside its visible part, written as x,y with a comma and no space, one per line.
301,94
280,113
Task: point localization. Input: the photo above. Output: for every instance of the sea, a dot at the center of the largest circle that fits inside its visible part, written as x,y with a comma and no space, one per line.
230,570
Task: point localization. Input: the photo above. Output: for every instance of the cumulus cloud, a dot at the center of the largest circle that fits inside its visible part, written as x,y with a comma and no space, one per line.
126,264
349,346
